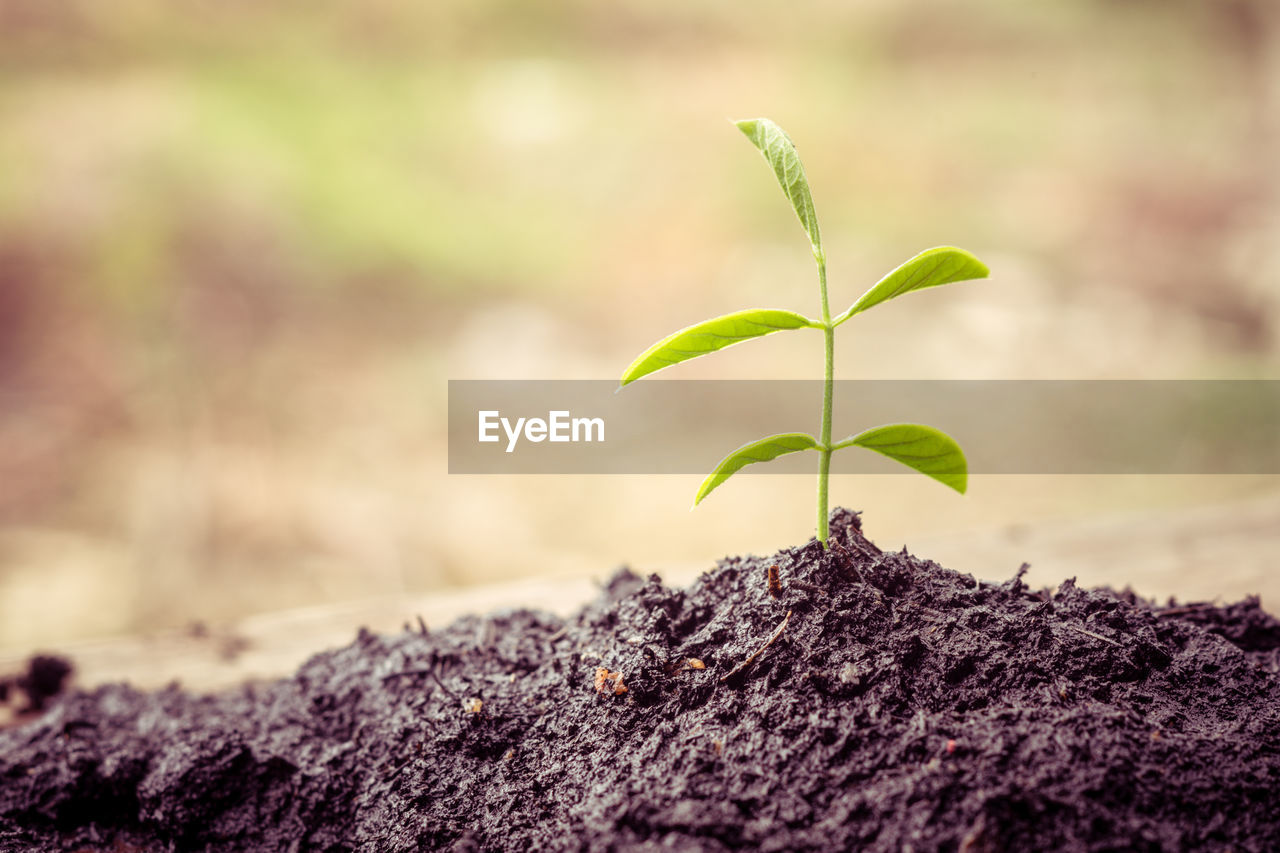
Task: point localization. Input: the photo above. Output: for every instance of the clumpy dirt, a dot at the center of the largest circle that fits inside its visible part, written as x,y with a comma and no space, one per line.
44,679
891,704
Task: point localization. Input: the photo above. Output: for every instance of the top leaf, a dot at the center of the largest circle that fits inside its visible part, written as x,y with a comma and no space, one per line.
930,268
780,151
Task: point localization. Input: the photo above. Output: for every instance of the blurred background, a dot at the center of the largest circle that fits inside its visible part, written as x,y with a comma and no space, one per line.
244,245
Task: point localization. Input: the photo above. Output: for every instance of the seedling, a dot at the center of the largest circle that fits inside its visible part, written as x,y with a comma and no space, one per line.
923,448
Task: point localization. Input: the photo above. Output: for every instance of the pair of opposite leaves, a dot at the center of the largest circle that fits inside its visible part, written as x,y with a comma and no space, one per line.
923,448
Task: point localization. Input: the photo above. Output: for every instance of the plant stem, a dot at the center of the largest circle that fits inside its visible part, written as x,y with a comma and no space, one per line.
824,454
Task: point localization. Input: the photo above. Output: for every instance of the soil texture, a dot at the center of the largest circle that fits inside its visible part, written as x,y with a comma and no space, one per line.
855,700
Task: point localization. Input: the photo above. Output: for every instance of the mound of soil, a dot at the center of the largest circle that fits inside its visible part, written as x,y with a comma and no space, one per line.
872,700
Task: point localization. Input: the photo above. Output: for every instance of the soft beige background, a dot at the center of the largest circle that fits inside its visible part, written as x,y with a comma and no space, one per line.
243,247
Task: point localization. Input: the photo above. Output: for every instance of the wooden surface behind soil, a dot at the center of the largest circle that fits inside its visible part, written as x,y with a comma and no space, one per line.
1197,554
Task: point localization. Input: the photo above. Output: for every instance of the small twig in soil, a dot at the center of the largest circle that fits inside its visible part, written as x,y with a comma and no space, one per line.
976,837
856,541
426,671
746,664
938,614
422,625
406,673
440,684
848,559
809,587
1095,636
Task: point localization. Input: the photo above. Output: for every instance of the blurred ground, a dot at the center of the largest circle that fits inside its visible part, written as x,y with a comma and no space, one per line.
242,249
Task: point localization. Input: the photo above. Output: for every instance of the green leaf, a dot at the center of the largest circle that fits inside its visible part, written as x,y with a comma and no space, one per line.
923,448
930,268
764,450
711,335
780,151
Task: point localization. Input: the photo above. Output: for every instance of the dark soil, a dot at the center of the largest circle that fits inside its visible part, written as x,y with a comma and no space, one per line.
902,706
44,679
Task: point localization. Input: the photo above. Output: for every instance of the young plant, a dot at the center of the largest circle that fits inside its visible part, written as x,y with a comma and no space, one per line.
923,448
